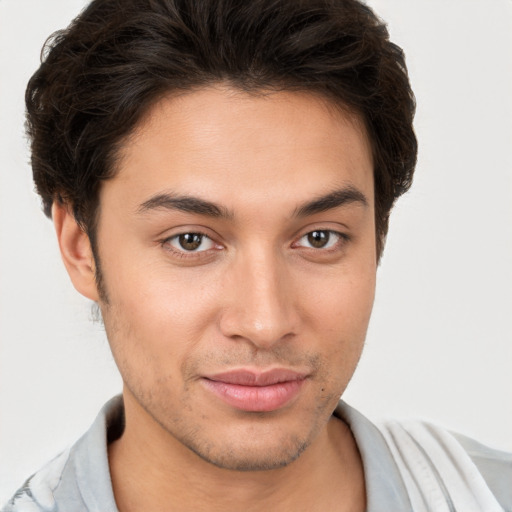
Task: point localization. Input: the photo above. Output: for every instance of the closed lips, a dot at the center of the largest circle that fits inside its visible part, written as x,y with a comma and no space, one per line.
256,392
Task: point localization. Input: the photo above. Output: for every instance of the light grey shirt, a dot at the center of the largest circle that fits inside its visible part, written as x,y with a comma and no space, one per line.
79,478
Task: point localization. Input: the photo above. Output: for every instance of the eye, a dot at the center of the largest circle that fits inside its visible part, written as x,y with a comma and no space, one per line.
191,242
320,239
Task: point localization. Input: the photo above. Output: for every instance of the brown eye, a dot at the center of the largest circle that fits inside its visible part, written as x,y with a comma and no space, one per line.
318,239
191,242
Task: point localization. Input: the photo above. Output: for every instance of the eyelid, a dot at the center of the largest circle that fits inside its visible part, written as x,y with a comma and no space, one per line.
181,249
333,231
182,253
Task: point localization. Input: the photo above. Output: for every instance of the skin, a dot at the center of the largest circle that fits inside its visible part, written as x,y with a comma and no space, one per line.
255,295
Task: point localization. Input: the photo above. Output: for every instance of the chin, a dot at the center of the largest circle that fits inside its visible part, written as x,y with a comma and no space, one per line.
252,458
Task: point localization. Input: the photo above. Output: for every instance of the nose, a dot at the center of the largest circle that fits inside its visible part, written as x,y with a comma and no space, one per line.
260,307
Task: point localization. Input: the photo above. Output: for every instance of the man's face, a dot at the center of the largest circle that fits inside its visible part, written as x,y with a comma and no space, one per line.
237,245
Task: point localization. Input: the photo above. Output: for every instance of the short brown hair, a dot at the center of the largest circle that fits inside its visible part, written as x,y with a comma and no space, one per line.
100,75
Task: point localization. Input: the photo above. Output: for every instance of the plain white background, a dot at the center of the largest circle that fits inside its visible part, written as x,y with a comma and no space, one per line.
439,342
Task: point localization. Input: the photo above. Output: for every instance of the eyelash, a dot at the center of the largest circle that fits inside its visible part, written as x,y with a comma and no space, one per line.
342,239
182,253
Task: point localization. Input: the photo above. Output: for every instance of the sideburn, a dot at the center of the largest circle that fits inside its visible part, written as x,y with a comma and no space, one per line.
98,274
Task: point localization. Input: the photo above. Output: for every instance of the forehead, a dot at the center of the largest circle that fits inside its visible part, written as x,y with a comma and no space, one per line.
235,145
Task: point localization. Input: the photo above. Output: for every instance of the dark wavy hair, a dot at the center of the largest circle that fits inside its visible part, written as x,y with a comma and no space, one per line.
118,57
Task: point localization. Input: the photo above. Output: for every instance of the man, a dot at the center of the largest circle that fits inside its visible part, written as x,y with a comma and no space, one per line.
220,176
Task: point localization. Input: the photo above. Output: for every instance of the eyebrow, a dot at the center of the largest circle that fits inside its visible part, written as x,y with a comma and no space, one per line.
190,204
332,200
186,204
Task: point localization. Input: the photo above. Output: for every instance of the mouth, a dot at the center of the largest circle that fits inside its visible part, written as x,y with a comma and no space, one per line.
256,391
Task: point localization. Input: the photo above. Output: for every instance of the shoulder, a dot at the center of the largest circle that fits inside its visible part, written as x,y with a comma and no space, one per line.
37,493
79,478
494,465
457,469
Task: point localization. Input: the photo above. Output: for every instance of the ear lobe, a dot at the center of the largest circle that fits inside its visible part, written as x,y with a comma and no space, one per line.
76,251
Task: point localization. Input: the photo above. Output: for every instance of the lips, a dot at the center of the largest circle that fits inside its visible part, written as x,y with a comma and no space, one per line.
258,379
256,391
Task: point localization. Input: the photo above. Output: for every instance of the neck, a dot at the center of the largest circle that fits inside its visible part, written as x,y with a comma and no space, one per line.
151,470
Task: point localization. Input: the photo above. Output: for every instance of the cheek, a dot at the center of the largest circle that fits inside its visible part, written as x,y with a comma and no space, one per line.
340,298
156,311
342,303
339,314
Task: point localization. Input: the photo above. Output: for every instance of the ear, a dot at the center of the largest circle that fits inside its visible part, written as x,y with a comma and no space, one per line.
76,251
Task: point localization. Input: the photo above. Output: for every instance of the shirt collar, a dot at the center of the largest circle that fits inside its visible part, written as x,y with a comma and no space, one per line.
385,490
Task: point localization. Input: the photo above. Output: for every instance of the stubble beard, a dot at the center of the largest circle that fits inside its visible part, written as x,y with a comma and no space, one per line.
243,455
